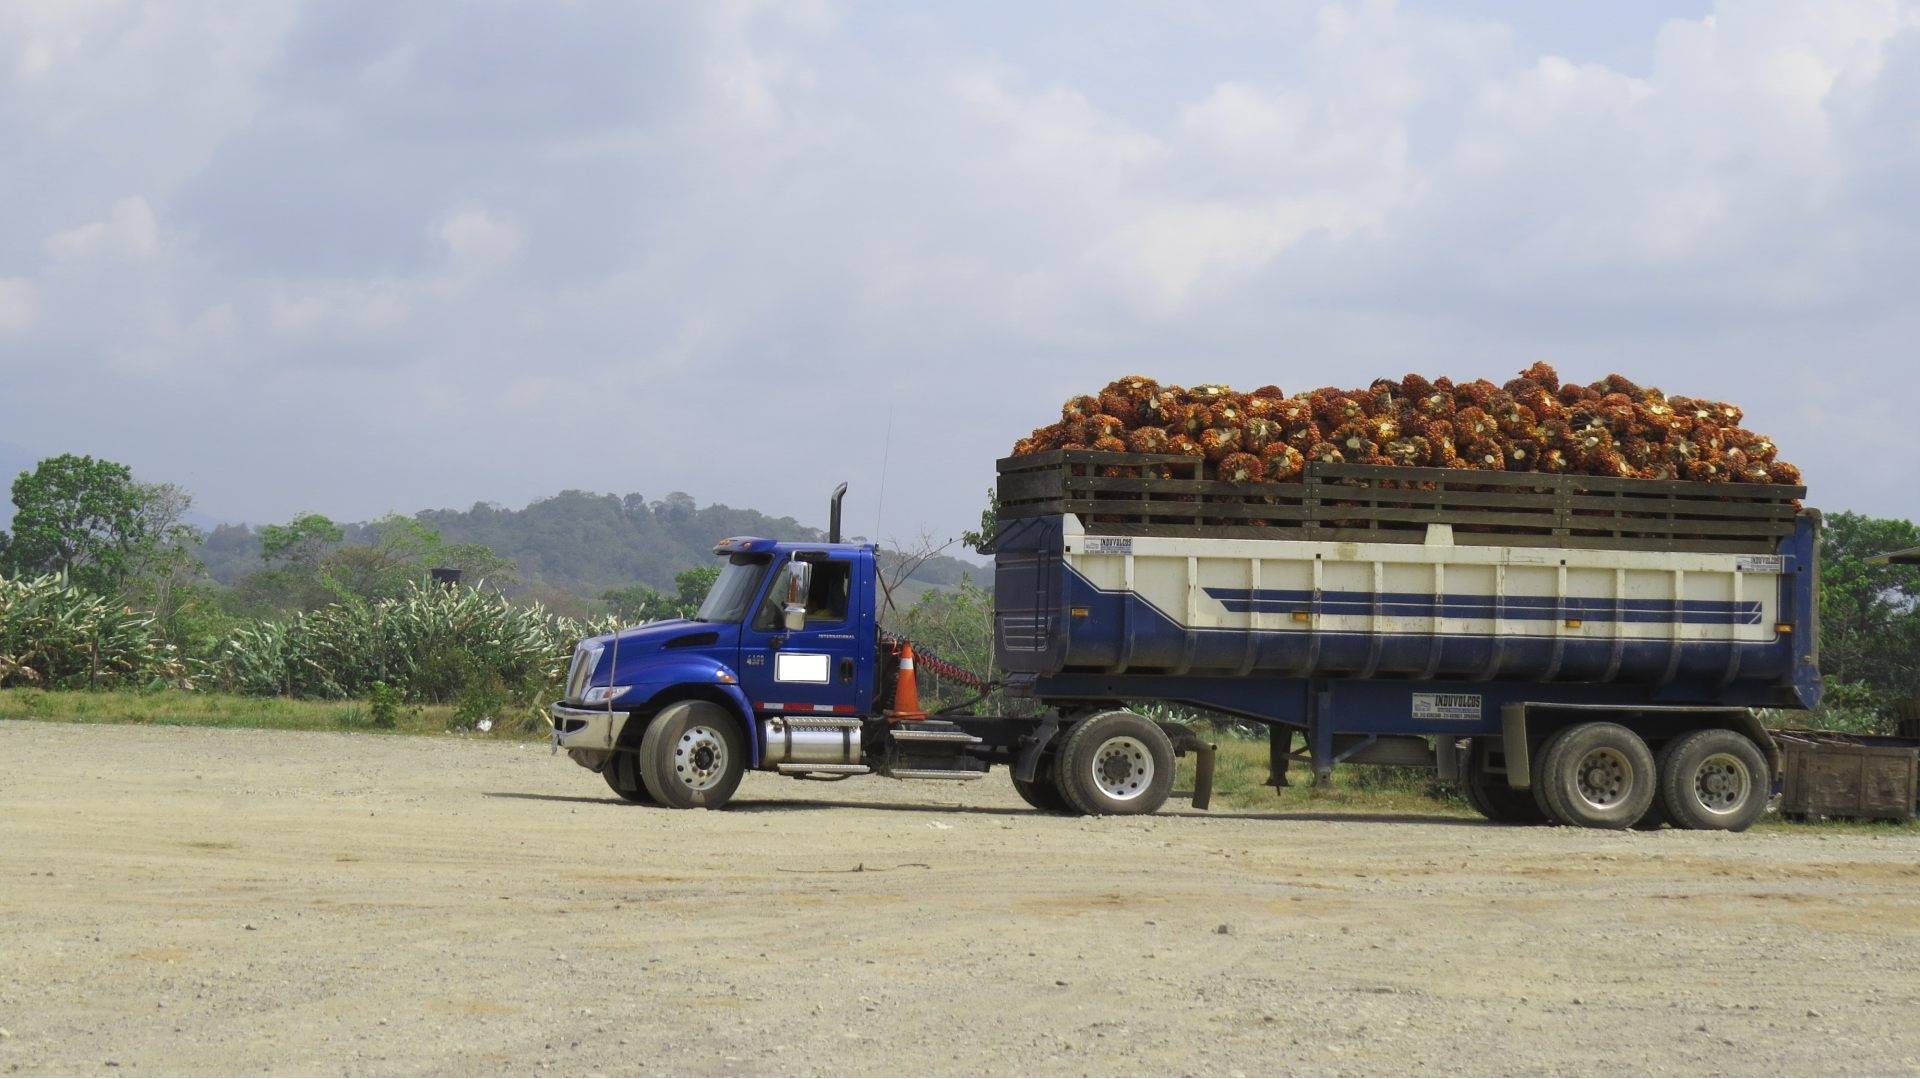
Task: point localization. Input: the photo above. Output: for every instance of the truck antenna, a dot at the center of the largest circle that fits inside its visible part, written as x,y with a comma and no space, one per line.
880,501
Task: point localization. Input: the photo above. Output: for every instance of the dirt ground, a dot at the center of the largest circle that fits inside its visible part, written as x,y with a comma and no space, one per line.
233,902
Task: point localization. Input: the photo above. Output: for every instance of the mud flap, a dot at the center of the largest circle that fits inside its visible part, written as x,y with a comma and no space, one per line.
1185,742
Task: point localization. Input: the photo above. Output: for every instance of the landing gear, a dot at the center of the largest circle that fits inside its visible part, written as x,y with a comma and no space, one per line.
1595,775
1115,764
692,756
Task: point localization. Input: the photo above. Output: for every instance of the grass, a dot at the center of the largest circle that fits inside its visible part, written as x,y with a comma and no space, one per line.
1240,772
176,708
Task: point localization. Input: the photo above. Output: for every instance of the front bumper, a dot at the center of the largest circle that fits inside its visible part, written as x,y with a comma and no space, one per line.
585,728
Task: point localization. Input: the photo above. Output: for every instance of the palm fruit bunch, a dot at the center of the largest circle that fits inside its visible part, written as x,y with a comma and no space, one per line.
1532,423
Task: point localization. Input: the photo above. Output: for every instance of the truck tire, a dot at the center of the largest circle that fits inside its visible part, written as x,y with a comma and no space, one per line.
1489,793
1714,780
1042,792
622,774
1655,818
692,756
1115,764
1595,775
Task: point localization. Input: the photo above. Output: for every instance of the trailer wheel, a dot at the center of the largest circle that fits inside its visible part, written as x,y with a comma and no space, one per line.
1596,775
1115,763
1656,818
1489,793
1714,780
622,774
1042,793
692,756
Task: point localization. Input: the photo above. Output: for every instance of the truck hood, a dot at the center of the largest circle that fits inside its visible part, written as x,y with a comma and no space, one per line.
671,634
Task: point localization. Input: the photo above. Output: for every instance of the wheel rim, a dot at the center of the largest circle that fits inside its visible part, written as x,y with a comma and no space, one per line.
1604,778
1122,768
1722,784
700,758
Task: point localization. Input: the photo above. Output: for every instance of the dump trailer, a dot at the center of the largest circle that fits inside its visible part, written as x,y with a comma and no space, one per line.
1571,649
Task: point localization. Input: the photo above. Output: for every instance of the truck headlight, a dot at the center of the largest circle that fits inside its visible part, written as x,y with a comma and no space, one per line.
603,694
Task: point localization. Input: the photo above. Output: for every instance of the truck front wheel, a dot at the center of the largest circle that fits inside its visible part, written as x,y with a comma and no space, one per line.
1115,763
1714,780
1595,775
692,756
622,774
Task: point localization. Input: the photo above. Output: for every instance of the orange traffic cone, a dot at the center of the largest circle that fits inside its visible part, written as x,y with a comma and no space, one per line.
906,689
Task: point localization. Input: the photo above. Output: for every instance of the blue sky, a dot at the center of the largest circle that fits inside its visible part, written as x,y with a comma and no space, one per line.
358,257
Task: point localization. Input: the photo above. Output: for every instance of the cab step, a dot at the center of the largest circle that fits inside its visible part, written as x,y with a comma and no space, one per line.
934,732
796,769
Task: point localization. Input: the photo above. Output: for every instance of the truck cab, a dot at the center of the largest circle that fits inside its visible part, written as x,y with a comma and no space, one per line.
786,629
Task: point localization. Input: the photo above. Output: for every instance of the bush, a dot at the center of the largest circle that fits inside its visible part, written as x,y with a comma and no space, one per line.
383,704
430,644
56,635
1849,707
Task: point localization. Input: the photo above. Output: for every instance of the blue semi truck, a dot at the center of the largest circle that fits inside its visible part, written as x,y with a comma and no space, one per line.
1568,649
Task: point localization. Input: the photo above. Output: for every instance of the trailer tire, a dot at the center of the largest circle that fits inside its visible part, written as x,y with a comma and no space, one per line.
1115,764
1656,818
1596,775
622,773
692,756
1492,796
1042,792
1714,780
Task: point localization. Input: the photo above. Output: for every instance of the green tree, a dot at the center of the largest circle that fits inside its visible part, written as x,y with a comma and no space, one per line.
166,577
982,540
477,563
639,603
89,520
690,588
302,541
635,603
1869,614
289,576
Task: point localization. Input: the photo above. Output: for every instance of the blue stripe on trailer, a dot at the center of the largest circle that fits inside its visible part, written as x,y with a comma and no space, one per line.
1516,608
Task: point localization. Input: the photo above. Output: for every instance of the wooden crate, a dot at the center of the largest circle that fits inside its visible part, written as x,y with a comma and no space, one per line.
1145,494
1832,775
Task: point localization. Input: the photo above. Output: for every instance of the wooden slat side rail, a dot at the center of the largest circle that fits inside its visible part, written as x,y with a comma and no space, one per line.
1170,495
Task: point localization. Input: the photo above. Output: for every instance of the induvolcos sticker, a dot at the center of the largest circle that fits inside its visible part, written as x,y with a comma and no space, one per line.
1448,706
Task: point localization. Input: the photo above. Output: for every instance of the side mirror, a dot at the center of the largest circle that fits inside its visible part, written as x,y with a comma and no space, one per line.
793,615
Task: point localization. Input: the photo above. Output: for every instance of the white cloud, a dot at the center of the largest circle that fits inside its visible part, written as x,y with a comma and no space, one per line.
770,211
16,303
477,241
128,232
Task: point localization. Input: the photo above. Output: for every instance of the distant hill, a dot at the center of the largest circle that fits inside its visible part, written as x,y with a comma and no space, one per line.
580,544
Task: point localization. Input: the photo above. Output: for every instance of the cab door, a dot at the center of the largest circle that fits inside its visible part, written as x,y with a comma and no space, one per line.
816,667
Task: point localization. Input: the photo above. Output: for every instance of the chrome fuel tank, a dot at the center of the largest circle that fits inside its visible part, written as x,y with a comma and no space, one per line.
810,740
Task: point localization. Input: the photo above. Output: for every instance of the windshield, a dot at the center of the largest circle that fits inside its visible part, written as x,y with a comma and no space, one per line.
733,590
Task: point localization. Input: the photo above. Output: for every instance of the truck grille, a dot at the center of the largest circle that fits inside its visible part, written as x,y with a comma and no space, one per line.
585,659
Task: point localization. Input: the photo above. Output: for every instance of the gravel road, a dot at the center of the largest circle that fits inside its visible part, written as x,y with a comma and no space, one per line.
233,902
